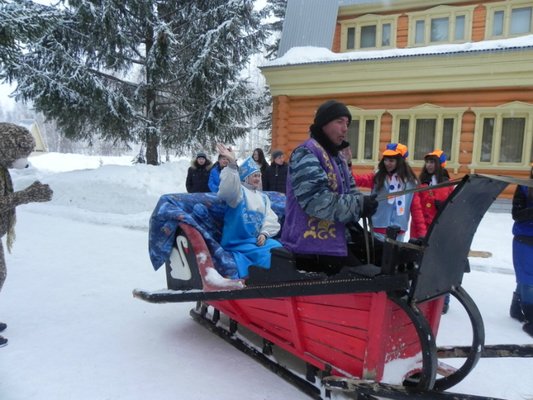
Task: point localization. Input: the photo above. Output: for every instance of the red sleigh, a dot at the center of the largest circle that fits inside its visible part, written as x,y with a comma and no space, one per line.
371,330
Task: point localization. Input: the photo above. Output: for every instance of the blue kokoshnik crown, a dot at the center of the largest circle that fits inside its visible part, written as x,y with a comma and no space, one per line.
247,168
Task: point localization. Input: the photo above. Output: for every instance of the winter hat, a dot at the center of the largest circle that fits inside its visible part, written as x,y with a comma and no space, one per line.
395,150
439,154
247,168
201,155
328,111
276,154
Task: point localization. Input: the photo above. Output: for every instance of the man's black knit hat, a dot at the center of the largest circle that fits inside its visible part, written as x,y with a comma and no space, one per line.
330,110
276,154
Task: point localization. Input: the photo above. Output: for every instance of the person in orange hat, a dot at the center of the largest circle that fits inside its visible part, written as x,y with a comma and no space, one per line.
433,173
393,175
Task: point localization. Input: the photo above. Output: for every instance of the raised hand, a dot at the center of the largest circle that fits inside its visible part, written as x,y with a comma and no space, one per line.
226,152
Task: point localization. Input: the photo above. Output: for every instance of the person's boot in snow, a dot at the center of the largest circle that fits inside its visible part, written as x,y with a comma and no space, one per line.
3,326
528,313
515,311
3,341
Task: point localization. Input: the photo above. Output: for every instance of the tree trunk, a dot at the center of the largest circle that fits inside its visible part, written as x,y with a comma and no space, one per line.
152,138
152,141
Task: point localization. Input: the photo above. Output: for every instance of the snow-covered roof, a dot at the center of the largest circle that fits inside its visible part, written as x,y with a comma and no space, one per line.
315,55
353,2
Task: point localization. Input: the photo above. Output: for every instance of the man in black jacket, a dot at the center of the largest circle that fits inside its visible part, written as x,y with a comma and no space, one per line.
276,173
198,174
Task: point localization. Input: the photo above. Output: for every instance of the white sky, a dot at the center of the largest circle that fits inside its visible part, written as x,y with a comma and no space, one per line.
5,100
76,332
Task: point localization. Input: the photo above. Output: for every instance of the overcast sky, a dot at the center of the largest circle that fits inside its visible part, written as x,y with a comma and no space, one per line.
5,101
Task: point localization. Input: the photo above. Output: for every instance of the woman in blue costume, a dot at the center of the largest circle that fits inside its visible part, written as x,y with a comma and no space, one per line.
249,222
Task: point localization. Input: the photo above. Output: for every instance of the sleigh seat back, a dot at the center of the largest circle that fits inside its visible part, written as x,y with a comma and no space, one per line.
444,258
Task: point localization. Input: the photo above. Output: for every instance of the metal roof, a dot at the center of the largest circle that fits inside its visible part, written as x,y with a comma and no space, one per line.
308,23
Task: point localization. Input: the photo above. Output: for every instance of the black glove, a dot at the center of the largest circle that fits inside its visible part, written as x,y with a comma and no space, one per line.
523,215
370,205
417,241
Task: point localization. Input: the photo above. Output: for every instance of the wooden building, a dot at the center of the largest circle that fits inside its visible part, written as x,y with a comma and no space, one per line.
35,130
455,76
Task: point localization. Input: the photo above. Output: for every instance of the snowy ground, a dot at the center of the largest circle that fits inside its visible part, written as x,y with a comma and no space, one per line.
76,332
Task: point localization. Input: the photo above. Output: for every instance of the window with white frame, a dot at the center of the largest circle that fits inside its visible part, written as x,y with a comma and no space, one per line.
503,136
363,134
368,32
509,19
427,128
442,24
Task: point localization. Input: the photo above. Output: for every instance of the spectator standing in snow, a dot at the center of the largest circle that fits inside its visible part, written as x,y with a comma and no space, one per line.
323,204
249,222
433,173
259,157
394,175
275,177
198,174
522,212
214,175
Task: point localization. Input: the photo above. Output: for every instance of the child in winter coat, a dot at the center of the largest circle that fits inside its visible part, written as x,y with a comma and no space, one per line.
198,174
432,174
522,212
249,221
214,175
393,175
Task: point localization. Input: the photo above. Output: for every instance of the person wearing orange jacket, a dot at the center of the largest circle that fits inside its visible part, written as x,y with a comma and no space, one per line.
393,175
433,173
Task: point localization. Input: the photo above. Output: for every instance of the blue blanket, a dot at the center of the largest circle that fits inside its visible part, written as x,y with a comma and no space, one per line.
203,211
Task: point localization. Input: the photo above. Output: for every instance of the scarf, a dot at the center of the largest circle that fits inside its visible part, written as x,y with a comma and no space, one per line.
395,184
10,214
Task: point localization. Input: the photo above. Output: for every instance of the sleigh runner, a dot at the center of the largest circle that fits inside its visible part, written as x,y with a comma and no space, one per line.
369,324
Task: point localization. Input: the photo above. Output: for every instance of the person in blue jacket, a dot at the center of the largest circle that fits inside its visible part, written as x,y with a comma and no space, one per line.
214,175
522,212
249,221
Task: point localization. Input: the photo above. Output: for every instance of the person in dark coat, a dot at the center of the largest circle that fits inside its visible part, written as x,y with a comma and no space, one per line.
259,157
198,174
275,178
522,212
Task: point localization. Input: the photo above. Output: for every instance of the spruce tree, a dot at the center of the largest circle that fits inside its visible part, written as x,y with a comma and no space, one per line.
158,72
21,22
276,11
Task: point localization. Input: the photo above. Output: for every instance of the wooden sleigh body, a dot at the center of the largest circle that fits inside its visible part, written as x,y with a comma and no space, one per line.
372,325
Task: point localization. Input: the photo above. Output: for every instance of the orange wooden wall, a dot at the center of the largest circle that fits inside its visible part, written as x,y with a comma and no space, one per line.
292,116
